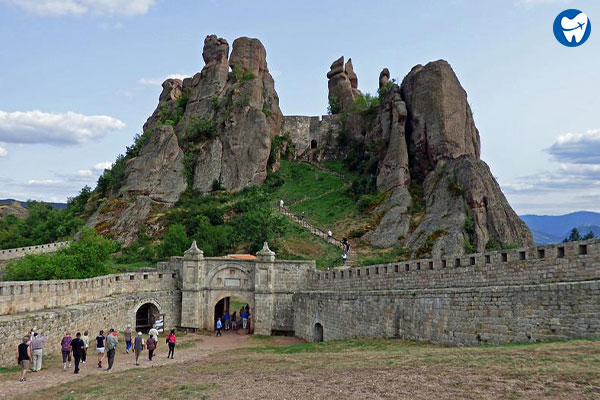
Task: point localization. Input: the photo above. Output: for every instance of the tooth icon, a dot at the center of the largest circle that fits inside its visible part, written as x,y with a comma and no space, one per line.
574,28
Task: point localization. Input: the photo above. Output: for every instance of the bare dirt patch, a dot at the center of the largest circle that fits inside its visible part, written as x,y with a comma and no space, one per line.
245,367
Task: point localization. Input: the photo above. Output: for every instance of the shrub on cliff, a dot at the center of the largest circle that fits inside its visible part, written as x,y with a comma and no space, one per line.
85,258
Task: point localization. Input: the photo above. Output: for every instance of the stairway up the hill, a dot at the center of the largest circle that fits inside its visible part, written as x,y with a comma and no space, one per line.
351,255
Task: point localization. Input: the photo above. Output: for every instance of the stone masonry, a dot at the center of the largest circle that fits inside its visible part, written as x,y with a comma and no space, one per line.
527,294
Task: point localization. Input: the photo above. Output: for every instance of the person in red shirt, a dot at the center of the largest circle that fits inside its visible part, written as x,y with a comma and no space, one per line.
171,339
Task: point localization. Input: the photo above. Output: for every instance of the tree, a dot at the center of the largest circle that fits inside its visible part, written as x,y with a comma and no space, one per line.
175,242
573,236
589,235
85,258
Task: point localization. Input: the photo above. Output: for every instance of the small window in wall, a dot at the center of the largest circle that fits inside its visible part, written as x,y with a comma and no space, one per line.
145,276
561,252
457,262
407,267
117,278
541,253
488,259
395,268
582,249
313,144
131,277
472,261
443,263
430,264
522,255
418,266
504,257
174,276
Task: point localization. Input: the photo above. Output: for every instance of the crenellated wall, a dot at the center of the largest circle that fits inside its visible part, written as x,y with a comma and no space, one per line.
11,254
565,262
27,296
539,293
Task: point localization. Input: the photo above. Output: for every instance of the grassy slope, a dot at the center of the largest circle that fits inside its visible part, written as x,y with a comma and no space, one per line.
358,369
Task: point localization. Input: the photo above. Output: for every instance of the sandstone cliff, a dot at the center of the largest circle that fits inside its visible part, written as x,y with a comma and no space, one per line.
421,147
211,131
15,208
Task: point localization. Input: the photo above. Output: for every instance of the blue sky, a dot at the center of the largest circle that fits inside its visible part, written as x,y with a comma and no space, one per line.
79,77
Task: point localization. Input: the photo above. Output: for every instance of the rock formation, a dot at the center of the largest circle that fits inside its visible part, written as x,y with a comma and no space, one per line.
210,131
14,208
214,131
343,86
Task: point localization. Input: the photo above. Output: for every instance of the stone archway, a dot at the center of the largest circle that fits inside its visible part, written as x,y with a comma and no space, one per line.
222,302
318,333
145,317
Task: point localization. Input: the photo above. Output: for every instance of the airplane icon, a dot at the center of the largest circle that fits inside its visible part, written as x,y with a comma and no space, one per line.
581,25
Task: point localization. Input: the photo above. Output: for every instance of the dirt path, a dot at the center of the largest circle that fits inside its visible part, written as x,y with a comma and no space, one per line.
191,347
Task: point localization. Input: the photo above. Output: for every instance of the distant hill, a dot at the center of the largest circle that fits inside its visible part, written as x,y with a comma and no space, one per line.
554,228
56,206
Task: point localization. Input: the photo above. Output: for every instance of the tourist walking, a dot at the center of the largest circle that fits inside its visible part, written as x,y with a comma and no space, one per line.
280,204
111,348
24,356
345,245
329,234
245,319
344,256
219,326
154,334
36,345
138,346
86,345
65,347
171,340
227,318
234,321
77,348
127,337
151,345
100,339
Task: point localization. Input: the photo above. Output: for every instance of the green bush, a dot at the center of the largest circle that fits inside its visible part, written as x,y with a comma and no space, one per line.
454,187
242,75
367,201
201,129
175,242
334,105
140,250
469,225
85,258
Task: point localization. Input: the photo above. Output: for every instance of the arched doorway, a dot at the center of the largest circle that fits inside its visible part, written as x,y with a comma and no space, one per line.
313,144
145,317
318,335
231,305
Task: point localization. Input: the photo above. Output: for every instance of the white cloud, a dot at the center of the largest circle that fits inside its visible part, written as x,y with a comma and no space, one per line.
159,81
43,182
578,148
84,172
3,151
53,8
101,166
58,129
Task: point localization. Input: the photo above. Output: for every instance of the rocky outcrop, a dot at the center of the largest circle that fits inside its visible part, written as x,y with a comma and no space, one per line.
343,86
14,208
154,180
210,131
444,199
440,124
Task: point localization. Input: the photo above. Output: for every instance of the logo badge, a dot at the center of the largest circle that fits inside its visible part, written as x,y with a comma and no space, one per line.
572,28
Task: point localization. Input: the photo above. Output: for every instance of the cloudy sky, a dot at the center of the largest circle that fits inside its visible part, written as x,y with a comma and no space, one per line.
79,77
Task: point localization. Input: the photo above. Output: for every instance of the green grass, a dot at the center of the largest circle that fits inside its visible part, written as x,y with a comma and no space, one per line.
134,266
298,244
321,195
6,370
339,167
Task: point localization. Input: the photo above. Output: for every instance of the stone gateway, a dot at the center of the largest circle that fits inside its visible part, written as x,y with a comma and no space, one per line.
527,294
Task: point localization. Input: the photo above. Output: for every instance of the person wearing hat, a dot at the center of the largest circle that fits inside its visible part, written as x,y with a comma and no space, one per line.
138,346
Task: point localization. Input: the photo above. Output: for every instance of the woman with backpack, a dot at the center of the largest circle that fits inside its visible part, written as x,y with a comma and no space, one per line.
151,345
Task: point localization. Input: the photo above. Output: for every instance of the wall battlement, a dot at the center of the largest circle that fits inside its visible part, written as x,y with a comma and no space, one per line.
27,296
20,252
564,262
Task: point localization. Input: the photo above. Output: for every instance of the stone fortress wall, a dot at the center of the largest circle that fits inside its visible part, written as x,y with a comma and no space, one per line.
11,254
540,293
529,294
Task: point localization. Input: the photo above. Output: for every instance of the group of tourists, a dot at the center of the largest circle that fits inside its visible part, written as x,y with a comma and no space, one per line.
233,321
74,350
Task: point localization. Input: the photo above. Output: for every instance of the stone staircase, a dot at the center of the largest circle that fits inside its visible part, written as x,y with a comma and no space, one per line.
351,256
